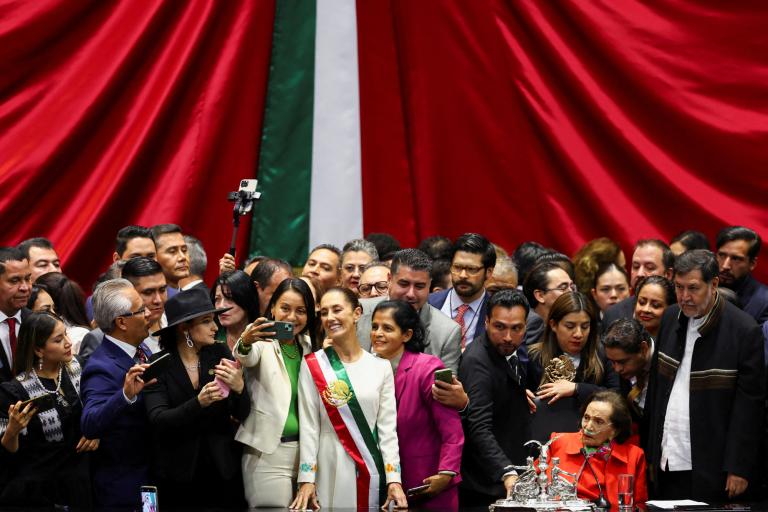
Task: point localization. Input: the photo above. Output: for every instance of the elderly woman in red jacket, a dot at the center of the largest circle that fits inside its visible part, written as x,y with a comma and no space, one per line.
602,443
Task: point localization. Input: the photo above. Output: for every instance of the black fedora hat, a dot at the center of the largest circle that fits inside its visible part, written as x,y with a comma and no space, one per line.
187,305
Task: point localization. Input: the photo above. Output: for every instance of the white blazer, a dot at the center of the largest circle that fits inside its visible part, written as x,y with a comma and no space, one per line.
270,389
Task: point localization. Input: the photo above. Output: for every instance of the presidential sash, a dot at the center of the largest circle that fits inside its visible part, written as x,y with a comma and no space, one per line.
351,427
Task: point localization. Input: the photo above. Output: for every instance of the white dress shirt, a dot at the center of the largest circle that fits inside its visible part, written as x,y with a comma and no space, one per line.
471,317
676,439
5,335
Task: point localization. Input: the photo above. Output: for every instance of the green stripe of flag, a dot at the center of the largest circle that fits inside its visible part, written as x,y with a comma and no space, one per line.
280,226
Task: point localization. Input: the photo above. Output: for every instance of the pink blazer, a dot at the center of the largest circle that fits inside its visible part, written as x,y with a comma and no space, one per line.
430,434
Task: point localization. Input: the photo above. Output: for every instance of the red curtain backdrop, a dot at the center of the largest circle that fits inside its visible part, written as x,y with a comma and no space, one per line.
552,121
127,112
564,121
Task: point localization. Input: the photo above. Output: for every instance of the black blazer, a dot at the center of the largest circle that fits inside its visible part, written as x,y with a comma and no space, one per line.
6,372
181,428
623,309
496,422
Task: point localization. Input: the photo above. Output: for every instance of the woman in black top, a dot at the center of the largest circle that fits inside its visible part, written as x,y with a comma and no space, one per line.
193,420
43,452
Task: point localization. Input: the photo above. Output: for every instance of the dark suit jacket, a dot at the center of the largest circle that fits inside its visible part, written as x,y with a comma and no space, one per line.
6,371
90,343
496,423
437,299
120,465
181,428
623,309
753,298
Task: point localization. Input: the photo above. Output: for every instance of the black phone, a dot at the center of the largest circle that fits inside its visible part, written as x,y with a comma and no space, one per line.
42,402
413,491
445,375
157,367
283,330
149,501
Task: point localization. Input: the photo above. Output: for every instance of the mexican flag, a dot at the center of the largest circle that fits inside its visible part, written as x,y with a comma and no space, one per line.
310,165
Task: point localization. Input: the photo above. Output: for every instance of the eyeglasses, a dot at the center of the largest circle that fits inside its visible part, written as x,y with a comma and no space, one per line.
472,271
562,288
139,311
381,287
351,268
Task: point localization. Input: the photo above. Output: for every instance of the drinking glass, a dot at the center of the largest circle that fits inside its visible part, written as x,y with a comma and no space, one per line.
626,492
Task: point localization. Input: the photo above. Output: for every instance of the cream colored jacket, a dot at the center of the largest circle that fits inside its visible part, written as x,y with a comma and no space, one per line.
270,389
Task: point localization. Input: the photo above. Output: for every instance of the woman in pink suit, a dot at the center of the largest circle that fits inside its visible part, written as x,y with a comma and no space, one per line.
430,434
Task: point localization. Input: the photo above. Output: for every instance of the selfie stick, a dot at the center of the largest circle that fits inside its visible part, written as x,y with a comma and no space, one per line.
243,200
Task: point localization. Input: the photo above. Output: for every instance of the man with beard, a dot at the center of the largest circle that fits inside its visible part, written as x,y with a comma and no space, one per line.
472,261
737,250
705,400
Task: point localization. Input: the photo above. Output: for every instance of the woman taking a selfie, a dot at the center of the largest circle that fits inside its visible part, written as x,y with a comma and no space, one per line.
46,464
430,434
196,459
272,360
571,336
345,395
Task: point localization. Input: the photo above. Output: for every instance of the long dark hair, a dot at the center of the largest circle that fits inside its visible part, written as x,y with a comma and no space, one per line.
405,317
302,288
68,297
548,348
237,286
33,334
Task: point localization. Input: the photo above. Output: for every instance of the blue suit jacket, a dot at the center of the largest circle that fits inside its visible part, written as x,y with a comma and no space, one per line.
120,465
437,299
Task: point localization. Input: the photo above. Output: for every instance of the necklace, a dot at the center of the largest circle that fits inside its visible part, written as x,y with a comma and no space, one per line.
58,382
292,351
193,367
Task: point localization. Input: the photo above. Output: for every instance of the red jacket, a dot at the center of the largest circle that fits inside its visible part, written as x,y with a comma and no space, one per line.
625,458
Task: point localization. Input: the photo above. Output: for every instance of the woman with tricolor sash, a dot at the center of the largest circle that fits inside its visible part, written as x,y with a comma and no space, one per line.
347,419
271,432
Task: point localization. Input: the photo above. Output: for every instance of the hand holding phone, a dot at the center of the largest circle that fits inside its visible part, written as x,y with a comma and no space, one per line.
444,375
283,331
414,491
224,387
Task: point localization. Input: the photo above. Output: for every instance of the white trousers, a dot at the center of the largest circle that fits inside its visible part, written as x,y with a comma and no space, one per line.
270,478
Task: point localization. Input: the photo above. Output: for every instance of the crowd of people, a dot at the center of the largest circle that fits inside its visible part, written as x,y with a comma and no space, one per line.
379,376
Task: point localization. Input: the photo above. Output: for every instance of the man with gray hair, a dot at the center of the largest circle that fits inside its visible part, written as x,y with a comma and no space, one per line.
705,400
504,276
355,255
198,261
113,408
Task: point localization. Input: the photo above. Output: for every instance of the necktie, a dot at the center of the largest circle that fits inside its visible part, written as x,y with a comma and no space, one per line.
513,363
632,397
12,335
460,312
141,354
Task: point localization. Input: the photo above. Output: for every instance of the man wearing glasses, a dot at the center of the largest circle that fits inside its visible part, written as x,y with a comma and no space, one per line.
113,408
375,280
545,282
355,255
472,262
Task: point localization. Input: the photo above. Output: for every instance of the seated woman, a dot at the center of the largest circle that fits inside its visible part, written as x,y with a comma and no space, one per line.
345,395
430,434
654,294
571,331
629,348
43,450
611,286
601,446
196,458
271,434
69,302
234,291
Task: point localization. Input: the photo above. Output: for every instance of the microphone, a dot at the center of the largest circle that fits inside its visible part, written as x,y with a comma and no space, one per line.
601,502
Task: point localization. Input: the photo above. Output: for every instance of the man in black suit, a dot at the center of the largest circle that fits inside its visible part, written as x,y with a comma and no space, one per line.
472,261
15,287
496,420
652,257
737,250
